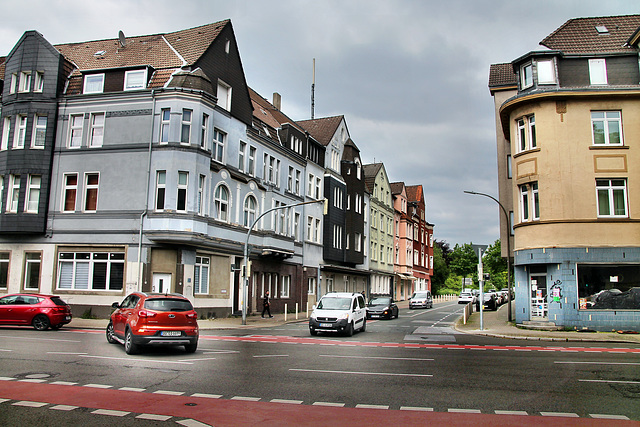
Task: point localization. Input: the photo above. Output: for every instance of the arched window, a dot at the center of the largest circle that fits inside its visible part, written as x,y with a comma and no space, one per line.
221,200
250,211
358,169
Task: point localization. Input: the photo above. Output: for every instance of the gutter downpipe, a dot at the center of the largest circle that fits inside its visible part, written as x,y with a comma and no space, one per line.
146,199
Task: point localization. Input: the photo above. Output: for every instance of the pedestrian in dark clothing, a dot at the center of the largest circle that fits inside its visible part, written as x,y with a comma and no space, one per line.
266,304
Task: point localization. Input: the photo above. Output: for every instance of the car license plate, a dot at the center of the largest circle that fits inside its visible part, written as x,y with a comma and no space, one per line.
325,325
374,316
170,333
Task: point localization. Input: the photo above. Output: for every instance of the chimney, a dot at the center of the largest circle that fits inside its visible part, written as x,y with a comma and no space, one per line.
277,100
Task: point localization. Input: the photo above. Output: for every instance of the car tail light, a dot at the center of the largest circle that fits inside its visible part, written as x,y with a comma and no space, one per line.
192,315
145,313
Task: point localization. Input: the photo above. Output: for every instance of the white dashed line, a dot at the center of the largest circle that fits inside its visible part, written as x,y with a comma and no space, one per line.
609,417
191,423
560,414
63,383
416,408
208,396
110,412
64,407
97,386
511,413
30,404
336,405
245,398
294,402
154,417
132,389
363,406
169,393
464,411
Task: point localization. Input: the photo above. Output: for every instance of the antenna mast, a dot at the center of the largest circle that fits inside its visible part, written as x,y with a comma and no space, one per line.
313,89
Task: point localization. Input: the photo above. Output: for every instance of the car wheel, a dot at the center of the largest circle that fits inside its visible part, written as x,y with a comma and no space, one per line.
110,333
349,330
129,346
191,348
41,322
364,325
313,332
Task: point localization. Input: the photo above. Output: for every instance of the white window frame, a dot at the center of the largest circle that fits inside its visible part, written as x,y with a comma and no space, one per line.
250,213
21,131
14,83
90,187
546,71
13,195
251,169
66,188
25,81
6,129
39,129
202,270
202,180
608,117
32,198
185,124
75,130
310,228
38,84
610,188
182,188
88,84
526,132
219,142
96,129
524,203
224,95
220,202
535,202
131,75
32,258
161,186
286,286
165,125
598,72
317,231
204,131
526,76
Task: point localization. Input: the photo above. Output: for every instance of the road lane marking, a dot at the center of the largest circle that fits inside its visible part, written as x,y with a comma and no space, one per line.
136,360
597,363
416,408
511,412
364,406
609,417
378,358
154,417
192,423
30,404
169,392
246,399
464,411
332,404
271,355
197,360
110,412
293,402
64,407
140,390
2,349
560,414
323,371
65,352
38,339
610,381
208,396
97,386
63,383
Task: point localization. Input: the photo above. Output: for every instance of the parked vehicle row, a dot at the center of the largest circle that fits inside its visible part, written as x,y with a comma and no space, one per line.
494,299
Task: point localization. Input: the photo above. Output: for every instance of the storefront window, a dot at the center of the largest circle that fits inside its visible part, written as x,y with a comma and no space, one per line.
611,286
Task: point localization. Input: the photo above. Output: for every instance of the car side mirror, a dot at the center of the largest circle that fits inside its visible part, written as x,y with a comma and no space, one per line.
115,305
313,307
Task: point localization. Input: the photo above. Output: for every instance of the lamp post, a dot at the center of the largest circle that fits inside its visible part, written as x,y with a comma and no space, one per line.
245,274
506,216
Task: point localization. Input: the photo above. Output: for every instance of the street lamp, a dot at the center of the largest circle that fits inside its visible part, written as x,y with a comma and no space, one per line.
245,281
506,215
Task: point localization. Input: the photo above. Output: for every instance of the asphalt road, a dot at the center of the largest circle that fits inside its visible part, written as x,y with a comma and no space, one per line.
412,367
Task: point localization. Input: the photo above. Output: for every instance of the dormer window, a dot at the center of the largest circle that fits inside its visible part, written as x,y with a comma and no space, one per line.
224,95
598,71
526,76
601,29
136,79
94,83
546,72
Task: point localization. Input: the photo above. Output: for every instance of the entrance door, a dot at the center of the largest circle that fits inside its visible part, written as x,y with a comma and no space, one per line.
161,283
538,287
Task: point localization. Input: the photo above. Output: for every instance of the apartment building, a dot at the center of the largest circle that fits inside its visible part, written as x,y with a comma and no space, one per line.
568,127
422,238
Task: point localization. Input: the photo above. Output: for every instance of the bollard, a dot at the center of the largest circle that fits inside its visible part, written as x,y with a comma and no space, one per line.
285,312
296,311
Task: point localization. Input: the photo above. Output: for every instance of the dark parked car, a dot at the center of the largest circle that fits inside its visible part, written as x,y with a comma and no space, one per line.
153,319
382,308
39,310
490,301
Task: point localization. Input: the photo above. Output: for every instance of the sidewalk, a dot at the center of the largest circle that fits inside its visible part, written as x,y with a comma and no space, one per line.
496,324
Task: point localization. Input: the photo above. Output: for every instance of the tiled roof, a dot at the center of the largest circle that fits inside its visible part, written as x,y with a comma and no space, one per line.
370,174
501,75
193,42
581,36
322,130
267,112
396,187
3,60
414,193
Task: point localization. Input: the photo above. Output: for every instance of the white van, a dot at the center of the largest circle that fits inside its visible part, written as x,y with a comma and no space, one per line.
339,312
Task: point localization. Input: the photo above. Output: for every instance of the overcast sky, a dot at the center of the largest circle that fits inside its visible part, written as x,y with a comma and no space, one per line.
410,76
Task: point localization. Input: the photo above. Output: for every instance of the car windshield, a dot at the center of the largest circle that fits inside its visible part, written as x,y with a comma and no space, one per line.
168,304
334,304
420,295
380,301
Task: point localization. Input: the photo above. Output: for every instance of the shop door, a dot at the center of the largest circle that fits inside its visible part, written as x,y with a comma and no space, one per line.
161,283
538,287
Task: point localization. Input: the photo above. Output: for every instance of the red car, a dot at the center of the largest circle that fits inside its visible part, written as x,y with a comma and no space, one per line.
153,319
39,310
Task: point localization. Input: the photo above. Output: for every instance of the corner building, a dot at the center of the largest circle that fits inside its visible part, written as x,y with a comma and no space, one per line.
568,145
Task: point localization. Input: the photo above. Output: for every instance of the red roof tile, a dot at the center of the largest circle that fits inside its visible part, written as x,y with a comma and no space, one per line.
501,75
322,130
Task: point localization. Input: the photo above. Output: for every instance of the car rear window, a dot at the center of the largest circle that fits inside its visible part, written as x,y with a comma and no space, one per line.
58,301
168,304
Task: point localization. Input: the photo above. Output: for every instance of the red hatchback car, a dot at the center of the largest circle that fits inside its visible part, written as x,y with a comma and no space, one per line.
153,319
39,310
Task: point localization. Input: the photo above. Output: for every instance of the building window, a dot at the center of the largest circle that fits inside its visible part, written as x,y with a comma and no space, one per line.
316,230
6,125
38,84
76,122
311,290
337,236
1,191
607,127
296,226
612,197
33,194
165,121
14,193
290,180
221,201
598,71
102,271
32,270
310,228
25,81
509,167
201,183
21,131
251,170
527,133
97,129
546,72
250,211
536,201
91,192
524,203
201,273
135,79
69,192
242,153
161,182
39,131
204,134
185,132
286,285
218,145
14,83
224,95
4,269
183,183
526,76
94,83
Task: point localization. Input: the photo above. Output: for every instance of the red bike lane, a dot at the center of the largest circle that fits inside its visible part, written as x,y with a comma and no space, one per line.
221,412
